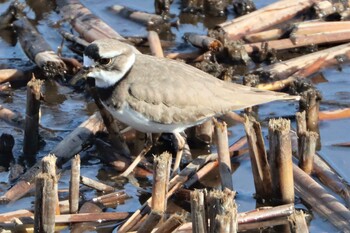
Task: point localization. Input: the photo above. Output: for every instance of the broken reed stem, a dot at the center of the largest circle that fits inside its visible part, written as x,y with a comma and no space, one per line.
162,165
299,220
321,201
280,160
136,161
74,185
96,184
223,155
307,151
203,42
31,131
222,211
154,44
198,212
171,224
111,198
175,183
259,161
150,223
46,196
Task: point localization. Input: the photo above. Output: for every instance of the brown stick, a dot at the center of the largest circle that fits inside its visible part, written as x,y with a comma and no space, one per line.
259,218
111,198
96,184
308,142
7,75
152,21
11,118
299,220
38,50
46,196
222,211
259,161
84,22
223,155
154,44
280,160
283,70
203,42
68,147
151,221
198,213
171,224
325,204
261,19
272,34
175,183
335,114
74,185
162,165
31,132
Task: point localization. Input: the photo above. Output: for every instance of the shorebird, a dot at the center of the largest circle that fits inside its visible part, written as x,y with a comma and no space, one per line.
159,95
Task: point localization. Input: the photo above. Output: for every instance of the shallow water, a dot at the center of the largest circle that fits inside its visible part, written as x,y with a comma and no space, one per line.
65,109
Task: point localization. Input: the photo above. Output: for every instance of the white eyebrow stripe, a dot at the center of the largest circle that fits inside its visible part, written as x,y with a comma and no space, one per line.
110,54
88,62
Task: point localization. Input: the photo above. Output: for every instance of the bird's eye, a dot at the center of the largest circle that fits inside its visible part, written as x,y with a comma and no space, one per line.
104,61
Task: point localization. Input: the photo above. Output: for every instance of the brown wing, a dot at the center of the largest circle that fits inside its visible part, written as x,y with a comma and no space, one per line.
171,92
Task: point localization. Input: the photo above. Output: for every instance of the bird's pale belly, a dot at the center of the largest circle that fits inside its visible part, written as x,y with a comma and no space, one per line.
137,121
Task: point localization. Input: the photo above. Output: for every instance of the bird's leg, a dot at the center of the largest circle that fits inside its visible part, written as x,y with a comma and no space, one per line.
181,144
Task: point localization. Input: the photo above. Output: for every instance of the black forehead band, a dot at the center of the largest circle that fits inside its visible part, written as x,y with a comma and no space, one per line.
92,51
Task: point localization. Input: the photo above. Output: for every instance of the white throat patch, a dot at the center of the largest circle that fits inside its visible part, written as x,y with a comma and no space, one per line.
107,78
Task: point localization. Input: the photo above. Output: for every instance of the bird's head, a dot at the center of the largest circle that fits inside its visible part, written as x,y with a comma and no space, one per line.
107,61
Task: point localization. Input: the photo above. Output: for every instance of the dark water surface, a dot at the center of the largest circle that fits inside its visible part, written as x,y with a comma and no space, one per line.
65,109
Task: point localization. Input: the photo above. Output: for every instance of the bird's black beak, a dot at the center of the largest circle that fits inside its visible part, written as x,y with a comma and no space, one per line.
80,77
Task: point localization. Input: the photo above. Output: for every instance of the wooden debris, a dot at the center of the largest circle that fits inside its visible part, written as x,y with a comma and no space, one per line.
153,22
171,224
198,211
282,70
46,196
222,211
259,160
257,219
39,52
12,118
8,75
95,184
203,42
307,151
111,199
161,175
280,160
321,201
31,131
84,22
175,183
154,44
74,185
261,19
304,72
67,148
268,35
77,40
331,179
151,221
334,114
223,155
